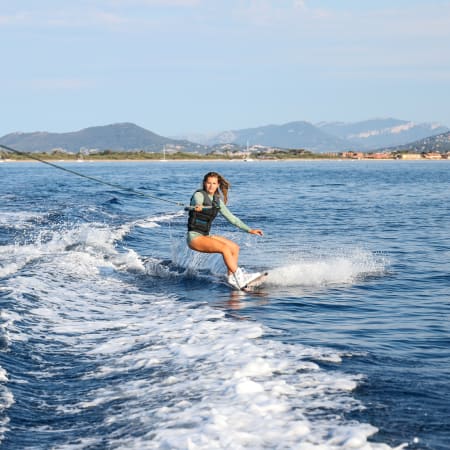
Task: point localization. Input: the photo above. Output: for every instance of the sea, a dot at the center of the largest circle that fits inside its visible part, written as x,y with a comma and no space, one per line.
115,335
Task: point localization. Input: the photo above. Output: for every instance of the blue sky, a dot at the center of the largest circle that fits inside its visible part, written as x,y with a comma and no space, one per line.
185,66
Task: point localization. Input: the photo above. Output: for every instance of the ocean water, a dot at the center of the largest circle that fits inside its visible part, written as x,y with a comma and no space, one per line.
114,335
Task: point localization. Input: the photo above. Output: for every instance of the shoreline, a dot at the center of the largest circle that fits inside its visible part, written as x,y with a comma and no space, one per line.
55,161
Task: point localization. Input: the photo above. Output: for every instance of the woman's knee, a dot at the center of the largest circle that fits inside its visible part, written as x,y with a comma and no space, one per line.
227,251
235,248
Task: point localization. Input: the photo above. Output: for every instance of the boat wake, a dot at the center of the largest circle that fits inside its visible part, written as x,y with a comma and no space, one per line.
139,369
322,271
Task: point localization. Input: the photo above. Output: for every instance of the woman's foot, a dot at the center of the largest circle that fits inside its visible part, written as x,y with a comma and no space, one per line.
240,279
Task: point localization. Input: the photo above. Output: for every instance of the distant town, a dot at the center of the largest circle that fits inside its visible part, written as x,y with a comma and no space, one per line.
222,152
377,139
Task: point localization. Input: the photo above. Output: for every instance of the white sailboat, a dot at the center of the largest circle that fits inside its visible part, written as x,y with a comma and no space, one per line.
247,158
164,154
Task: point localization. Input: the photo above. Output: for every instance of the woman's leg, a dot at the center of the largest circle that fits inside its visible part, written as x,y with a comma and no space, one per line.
218,244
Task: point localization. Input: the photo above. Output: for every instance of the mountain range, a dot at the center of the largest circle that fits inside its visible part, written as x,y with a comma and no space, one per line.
322,137
119,137
439,143
329,136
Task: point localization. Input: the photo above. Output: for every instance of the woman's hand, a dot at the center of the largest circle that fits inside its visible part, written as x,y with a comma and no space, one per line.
258,232
198,208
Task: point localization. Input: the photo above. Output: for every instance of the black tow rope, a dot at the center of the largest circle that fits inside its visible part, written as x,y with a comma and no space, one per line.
97,180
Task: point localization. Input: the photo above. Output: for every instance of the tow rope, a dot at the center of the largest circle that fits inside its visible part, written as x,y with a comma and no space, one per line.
97,180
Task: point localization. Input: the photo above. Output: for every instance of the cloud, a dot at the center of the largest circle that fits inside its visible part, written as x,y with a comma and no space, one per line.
61,83
61,18
299,3
89,14
169,3
14,19
372,41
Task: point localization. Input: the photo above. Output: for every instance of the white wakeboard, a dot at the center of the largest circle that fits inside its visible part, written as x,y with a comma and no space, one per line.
253,284
256,282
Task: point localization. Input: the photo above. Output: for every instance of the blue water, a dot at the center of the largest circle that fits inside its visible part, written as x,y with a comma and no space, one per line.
114,335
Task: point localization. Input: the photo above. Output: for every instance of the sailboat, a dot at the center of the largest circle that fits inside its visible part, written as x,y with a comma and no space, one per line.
164,154
247,158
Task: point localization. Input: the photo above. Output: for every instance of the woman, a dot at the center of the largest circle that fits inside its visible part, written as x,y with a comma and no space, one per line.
206,203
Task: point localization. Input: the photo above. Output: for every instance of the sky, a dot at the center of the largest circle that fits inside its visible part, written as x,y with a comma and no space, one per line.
179,67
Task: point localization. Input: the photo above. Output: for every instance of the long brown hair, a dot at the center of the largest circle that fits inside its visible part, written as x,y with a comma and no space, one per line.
224,184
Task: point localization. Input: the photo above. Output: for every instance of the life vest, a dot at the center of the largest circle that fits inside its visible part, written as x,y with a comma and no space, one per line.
200,221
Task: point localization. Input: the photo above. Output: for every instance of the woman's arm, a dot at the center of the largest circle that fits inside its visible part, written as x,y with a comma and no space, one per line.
197,201
235,220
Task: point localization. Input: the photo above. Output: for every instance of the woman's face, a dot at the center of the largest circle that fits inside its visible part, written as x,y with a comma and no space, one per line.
211,185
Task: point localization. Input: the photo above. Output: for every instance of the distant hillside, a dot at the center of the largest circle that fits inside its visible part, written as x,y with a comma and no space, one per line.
290,135
439,143
120,136
323,137
378,133
329,136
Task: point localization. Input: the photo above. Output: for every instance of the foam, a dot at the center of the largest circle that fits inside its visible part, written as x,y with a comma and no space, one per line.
329,270
19,219
85,246
3,375
3,427
6,401
6,398
182,375
14,257
153,222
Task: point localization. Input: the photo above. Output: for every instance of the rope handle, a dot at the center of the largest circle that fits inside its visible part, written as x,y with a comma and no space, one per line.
191,208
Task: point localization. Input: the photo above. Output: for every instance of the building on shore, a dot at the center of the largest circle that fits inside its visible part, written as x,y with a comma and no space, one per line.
380,155
352,155
433,155
409,156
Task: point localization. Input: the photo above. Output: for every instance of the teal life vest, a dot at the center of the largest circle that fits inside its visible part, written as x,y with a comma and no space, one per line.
200,221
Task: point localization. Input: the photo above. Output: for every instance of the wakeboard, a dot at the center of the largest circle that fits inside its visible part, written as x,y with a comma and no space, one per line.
255,283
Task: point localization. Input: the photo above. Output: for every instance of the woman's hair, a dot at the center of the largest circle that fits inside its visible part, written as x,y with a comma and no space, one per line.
224,184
